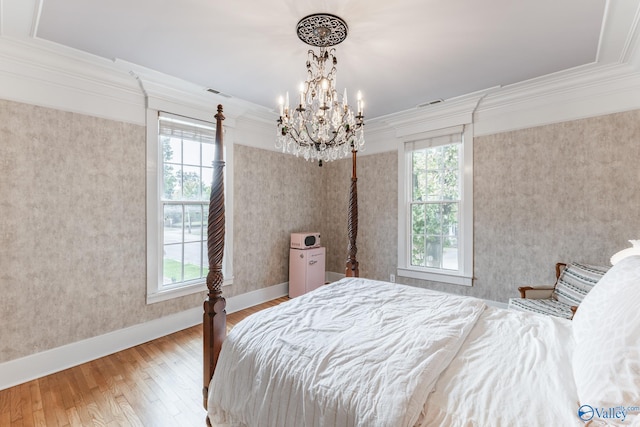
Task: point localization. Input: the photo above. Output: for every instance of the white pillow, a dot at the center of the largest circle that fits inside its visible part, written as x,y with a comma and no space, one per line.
606,327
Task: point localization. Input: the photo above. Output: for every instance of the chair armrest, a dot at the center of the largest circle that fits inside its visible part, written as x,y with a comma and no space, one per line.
542,292
560,266
574,308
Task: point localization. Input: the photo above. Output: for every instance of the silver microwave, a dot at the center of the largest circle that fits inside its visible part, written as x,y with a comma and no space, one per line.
305,240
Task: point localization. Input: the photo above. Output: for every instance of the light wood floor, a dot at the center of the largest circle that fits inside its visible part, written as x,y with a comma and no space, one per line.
155,384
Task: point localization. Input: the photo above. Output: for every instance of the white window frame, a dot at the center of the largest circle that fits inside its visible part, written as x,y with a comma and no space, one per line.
156,291
464,275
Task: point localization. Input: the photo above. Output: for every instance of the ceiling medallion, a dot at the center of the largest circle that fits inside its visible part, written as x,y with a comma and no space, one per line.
322,30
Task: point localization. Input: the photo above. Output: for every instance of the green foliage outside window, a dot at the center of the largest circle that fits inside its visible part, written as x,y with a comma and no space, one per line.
435,197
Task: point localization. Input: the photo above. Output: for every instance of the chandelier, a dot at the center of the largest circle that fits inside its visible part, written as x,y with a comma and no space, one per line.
320,125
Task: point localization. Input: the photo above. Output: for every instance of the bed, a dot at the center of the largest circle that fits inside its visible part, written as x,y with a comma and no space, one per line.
360,352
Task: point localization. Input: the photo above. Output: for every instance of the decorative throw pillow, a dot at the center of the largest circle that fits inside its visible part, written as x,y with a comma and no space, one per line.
606,328
575,281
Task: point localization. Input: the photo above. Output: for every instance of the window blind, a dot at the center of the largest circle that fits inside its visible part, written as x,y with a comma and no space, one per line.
172,125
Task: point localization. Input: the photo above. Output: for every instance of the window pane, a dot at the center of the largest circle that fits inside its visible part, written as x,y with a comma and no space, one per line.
434,219
191,189
171,150
172,250
418,219
192,261
207,154
450,184
207,179
172,185
193,224
434,251
172,264
434,185
451,156
451,178
450,219
172,224
450,253
419,190
191,152
417,251
434,158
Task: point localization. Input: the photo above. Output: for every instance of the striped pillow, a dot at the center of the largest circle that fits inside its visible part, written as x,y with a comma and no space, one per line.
575,281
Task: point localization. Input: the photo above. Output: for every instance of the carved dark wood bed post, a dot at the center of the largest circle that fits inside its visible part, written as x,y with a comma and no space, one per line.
352,265
215,316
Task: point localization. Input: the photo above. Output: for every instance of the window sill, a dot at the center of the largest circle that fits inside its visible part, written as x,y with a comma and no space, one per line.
167,294
433,276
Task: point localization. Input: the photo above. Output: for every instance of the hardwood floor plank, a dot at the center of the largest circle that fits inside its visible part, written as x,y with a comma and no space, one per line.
15,402
82,395
74,417
27,405
36,398
38,418
127,410
48,406
156,384
5,404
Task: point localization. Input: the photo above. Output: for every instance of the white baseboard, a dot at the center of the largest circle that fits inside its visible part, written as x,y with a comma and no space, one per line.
240,302
38,365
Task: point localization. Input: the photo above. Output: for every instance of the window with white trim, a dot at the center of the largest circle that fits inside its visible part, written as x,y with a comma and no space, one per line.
435,207
179,176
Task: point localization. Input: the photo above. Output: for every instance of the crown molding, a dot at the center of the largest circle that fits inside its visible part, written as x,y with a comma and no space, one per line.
39,72
170,94
575,94
451,112
50,75
581,92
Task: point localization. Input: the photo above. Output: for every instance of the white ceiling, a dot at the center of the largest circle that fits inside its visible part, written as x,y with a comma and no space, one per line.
399,53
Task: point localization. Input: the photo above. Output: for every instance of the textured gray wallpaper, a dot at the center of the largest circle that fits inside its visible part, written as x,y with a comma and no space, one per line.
72,258
72,200
377,214
274,196
561,192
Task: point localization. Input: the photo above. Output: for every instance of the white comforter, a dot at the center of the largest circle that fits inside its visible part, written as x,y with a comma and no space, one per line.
353,353
514,369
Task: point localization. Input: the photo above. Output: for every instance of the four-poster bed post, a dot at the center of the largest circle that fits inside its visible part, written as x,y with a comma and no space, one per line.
352,265
215,316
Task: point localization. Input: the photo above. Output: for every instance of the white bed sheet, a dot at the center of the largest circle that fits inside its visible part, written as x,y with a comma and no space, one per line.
514,369
353,353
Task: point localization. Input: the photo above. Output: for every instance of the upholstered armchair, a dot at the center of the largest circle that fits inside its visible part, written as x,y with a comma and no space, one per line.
573,282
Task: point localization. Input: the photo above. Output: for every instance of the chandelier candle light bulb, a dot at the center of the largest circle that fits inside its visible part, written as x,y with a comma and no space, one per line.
322,127
301,95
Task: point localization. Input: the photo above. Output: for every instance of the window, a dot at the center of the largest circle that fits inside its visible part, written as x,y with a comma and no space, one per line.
178,203
435,218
